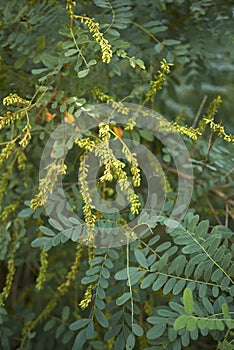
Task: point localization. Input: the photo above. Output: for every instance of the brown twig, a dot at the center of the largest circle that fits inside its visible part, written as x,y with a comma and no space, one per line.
199,111
179,173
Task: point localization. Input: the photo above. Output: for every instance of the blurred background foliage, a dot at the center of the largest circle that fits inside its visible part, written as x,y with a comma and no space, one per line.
40,62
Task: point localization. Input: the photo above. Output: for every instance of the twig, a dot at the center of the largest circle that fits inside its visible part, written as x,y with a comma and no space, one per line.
213,211
199,111
179,173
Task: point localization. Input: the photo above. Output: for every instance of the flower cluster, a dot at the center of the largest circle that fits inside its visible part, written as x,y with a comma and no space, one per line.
14,99
160,79
47,184
90,218
41,278
209,120
101,95
190,132
7,151
8,118
61,290
118,106
8,210
27,136
85,143
87,297
114,170
104,131
219,128
11,272
21,159
4,182
131,158
98,36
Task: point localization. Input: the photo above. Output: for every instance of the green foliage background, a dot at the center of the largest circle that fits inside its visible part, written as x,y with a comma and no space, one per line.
171,289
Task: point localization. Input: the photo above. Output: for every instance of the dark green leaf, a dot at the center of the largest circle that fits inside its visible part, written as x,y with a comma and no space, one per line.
79,324
101,318
156,331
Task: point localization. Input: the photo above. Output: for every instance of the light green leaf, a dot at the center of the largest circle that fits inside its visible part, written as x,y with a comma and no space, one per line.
70,52
180,322
192,324
171,42
83,73
188,301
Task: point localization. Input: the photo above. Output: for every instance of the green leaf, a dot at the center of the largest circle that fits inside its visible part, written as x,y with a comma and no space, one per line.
89,279
80,340
140,258
191,248
111,333
180,322
55,224
56,240
171,42
158,48
219,324
83,73
130,343
90,332
49,325
148,280
137,330
47,231
228,320
156,331
70,52
68,44
65,313
163,262
92,63
123,298
136,277
160,281
123,275
169,285
178,287
39,71
188,301
209,307
25,213
39,242
191,324
162,247
76,233
140,63
79,324
101,318
202,323
202,229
